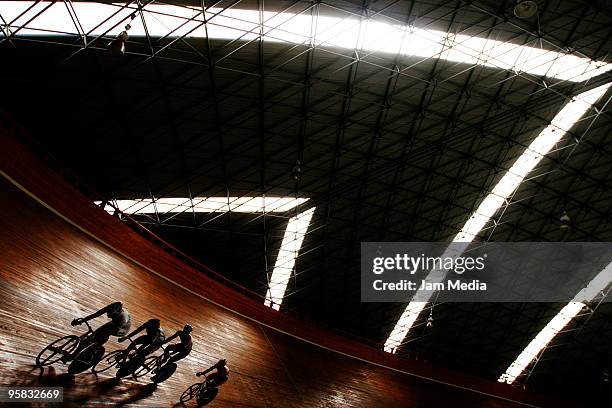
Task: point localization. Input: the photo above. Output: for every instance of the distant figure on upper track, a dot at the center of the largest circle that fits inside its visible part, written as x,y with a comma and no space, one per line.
150,341
118,326
178,351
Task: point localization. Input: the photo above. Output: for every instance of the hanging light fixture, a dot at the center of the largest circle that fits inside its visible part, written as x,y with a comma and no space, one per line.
296,171
117,46
565,221
525,9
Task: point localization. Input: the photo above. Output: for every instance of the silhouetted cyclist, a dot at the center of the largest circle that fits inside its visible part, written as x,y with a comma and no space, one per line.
177,351
206,391
219,377
118,326
148,342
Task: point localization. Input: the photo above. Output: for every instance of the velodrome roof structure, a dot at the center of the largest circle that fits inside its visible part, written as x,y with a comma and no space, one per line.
385,120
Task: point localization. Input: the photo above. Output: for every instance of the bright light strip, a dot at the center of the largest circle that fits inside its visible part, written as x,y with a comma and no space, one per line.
292,238
287,255
558,323
259,204
320,31
541,340
541,145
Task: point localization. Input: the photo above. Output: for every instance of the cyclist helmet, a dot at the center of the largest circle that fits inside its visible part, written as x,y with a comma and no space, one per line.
114,309
223,369
153,326
187,329
160,337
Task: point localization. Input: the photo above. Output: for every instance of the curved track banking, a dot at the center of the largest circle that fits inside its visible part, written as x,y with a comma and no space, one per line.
56,264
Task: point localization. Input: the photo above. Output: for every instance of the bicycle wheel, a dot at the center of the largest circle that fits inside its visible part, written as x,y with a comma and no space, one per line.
146,367
190,393
87,358
108,361
56,350
206,395
164,373
129,366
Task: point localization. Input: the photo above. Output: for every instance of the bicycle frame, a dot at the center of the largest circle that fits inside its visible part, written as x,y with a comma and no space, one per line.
136,352
89,331
85,337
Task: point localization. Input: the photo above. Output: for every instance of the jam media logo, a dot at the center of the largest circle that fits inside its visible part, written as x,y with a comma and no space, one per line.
412,264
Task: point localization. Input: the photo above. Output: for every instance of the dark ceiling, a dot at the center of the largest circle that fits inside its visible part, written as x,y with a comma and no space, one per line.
391,149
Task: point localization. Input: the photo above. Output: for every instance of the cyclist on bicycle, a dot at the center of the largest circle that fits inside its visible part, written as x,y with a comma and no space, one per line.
118,326
148,342
178,351
220,376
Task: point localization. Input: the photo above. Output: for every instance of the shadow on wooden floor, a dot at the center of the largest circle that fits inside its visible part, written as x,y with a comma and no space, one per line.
82,389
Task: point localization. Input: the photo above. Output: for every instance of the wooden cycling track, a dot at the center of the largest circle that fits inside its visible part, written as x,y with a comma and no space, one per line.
62,257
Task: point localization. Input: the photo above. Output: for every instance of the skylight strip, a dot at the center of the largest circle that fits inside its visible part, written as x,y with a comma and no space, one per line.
557,324
257,204
541,145
324,31
293,237
540,341
287,255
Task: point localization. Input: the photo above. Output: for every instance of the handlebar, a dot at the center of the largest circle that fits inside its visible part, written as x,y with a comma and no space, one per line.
88,326
203,373
78,322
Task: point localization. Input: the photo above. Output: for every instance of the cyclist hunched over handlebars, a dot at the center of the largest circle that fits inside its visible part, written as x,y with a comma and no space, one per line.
118,326
178,351
86,350
206,391
220,376
147,343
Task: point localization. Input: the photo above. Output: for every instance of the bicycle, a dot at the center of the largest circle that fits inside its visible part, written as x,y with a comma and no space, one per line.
81,350
203,392
162,370
139,365
114,359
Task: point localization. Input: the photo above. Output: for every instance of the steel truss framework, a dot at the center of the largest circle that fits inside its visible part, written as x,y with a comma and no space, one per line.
390,148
